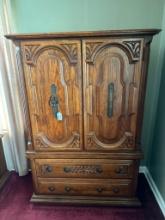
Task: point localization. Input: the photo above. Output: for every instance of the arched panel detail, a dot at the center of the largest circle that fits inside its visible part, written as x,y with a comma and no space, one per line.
110,95
126,141
42,142
131,48
111,62
54,90
32,52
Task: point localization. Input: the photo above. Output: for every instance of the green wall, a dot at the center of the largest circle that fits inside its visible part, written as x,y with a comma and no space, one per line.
78,15
71,15
157,159
157,156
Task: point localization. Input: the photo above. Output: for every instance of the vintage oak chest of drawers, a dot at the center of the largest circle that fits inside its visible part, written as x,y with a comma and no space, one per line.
83,113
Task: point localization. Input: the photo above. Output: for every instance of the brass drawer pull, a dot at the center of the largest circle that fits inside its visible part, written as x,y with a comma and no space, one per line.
67,169
47,169
118,170
122,170
67,189
99,170
51,188
115,190
99,189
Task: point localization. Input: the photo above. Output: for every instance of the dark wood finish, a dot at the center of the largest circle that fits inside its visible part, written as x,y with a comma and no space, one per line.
86,168
4,173
86,200
86,187
82,155
96,80
101,33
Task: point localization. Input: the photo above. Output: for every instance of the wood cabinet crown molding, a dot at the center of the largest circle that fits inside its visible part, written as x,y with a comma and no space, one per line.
84,93
101,33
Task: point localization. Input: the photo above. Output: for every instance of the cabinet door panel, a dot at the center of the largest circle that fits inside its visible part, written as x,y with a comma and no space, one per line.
52,74
111,86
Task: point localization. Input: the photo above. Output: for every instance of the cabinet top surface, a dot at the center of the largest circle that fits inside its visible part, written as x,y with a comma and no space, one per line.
104,33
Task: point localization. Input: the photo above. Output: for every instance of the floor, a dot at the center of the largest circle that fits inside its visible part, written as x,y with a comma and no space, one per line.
15,205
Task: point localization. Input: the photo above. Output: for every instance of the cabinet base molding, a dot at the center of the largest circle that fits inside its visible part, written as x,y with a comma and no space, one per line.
80,200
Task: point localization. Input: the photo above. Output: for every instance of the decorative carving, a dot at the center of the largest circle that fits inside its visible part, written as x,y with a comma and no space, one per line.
84,169
41,141
23,98
76,142
127,141
90,49
71,50
38,143
134,47
31,52
92,144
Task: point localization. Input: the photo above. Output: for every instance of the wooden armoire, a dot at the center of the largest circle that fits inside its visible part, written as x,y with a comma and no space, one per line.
83,107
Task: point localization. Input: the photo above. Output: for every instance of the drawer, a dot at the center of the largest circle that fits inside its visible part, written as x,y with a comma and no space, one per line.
84,168
85,187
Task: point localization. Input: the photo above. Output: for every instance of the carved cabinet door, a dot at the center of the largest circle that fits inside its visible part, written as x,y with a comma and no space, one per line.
52,72
112,72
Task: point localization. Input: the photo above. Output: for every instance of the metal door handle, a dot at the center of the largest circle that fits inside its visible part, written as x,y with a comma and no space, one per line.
54,103
110,99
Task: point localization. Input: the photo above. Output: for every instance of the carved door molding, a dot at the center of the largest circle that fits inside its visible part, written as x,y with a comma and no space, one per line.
57,65
111,87
110,79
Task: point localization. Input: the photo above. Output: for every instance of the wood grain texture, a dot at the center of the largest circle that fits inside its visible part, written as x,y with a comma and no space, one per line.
125,155
88,187
142,90
101,33
86,168
57,63
24,101
92,155
106,62
84,200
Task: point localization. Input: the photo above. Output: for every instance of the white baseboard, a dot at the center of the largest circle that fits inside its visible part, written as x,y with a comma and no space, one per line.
158,196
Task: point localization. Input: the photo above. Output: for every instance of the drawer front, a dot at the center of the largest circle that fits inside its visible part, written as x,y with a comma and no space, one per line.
86,168
85,187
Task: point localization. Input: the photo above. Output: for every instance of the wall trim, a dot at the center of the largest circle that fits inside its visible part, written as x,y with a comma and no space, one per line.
154,188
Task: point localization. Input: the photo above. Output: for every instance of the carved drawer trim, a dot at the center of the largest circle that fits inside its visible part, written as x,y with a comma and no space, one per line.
86,168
